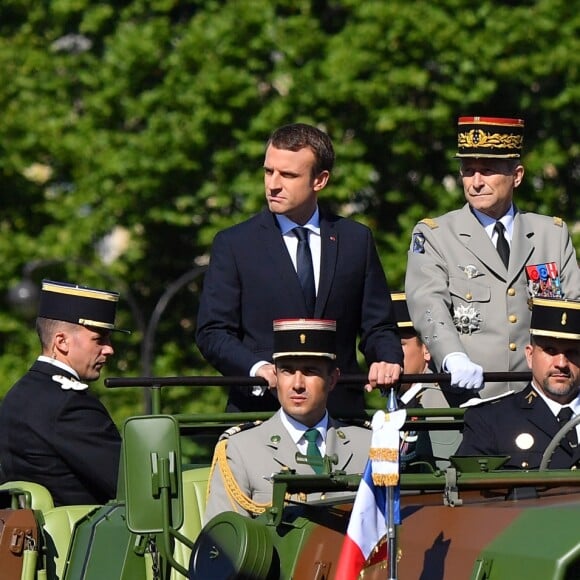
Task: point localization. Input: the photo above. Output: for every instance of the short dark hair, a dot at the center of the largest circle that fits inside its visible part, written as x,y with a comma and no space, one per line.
46,328
296,136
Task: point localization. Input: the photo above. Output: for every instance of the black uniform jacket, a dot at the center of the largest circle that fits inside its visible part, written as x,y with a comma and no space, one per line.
520,425
62,439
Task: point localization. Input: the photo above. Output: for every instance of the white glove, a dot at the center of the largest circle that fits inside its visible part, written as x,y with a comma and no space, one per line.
464,373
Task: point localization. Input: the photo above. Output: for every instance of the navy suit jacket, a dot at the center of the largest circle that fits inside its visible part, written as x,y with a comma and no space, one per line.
251,281
62,439
520,425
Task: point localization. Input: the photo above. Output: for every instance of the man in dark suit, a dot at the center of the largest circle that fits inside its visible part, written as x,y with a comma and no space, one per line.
305,359
523,424
257,275
53,431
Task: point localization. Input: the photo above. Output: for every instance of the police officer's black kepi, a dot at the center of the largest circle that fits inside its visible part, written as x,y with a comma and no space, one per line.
555,318
309,337
78,304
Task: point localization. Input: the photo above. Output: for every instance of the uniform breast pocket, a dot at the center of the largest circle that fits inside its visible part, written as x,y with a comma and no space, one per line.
471,302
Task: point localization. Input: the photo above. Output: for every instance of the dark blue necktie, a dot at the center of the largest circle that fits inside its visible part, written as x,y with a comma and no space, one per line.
305,270
564,416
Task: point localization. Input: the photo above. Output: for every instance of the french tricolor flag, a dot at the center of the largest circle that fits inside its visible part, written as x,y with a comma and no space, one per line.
365,541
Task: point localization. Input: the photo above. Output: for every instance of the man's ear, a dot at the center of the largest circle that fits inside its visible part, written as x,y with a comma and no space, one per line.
529,353
333,378
61,342
518,175
320,180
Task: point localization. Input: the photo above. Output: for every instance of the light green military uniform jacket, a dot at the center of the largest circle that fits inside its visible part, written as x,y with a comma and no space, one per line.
454,270
254,454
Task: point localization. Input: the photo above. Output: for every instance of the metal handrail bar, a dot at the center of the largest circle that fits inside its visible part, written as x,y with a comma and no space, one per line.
220,381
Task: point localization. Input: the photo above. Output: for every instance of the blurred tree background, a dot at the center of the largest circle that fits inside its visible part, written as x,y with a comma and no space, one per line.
131,131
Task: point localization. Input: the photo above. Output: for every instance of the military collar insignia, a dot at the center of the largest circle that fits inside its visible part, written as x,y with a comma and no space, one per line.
69,384
530,396
470,271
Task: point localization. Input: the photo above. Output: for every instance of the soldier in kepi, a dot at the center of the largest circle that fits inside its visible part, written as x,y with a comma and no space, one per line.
471,272
523,424
433,446
246,456
53,430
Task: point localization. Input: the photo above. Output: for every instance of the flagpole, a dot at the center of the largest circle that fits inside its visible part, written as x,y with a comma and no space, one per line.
391,528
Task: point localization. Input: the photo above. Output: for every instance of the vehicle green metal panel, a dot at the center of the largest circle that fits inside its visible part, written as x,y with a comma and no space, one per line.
309,539
233,546
542,543
462,522
152,466
304,545
103,547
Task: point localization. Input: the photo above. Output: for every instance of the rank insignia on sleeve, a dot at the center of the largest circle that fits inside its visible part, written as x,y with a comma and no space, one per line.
544,280
418,244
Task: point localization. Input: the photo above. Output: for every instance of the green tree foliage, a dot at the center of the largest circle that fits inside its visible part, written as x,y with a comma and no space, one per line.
132,131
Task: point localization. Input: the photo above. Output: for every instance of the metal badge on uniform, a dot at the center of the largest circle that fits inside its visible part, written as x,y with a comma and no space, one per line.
544,280
67,384
418,244
470,271
524,441
466,319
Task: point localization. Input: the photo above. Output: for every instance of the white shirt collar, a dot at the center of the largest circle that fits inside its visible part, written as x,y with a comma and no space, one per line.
58,364
297,429
555,406
488,222
287,225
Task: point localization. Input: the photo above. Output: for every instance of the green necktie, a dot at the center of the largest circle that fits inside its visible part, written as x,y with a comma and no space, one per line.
312,450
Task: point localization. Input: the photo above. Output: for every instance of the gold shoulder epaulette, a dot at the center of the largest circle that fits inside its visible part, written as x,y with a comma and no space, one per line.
429,222
239,428
558,221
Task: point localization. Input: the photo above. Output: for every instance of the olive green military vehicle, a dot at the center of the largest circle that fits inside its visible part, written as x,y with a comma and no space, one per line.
464,519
